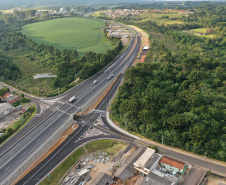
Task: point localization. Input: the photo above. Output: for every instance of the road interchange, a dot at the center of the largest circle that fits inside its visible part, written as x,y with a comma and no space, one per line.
66,110
14,155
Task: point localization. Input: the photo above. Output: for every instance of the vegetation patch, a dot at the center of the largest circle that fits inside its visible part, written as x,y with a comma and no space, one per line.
25,118
77,33
56,175
100,145
109,146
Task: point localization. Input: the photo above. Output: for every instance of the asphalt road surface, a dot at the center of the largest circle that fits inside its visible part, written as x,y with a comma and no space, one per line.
13,155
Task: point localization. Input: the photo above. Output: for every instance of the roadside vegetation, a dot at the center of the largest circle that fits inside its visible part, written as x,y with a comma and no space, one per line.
99,145
178,93
56,175
22,57
13,128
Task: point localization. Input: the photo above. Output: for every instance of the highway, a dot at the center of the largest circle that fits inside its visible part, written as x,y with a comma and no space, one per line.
15,154
74,141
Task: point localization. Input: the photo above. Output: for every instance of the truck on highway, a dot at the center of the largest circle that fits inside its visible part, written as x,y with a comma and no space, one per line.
72,99
109,77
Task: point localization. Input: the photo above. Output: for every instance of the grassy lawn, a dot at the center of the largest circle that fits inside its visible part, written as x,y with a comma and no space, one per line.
199,30
166,22
202,30
77,33
99,144
56,175
158,18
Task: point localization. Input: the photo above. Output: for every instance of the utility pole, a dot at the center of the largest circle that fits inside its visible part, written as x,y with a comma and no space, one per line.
162,138
58,90
76,78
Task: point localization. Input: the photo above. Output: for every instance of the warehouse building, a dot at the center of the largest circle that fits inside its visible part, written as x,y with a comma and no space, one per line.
5,108
102,179
153,179
126,170
152,163
143,160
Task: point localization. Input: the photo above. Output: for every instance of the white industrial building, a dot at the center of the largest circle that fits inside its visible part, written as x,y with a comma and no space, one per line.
5,108
143,160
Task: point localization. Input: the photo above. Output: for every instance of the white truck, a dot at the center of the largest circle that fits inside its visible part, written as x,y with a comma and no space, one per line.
72,99
109,77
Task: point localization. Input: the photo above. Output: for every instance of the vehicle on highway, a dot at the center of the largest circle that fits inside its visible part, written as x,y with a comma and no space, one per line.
109,77
95,82
72,99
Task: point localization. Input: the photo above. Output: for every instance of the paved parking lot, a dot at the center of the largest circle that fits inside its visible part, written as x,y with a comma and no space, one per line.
193,176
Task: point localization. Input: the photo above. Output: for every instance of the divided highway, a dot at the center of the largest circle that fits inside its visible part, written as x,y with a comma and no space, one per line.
16,153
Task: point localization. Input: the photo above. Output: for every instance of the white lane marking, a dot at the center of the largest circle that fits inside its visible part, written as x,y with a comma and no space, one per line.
51,128
7,168
11,153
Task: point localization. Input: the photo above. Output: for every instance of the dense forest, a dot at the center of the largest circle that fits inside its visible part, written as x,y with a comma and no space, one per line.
8,70
67,64
176,96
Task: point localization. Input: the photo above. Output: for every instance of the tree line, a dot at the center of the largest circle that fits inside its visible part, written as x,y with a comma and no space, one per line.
181,99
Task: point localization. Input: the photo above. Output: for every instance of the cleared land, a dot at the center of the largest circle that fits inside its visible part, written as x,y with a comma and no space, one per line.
202,30
77,33
160,18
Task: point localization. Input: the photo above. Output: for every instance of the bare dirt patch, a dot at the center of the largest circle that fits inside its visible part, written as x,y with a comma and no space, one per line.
48,152
214,180
145,42
11,118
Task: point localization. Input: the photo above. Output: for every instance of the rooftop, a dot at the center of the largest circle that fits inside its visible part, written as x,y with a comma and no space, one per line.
15,99
5,106
142,161
102,179
153,161
153,179
172,162
126,170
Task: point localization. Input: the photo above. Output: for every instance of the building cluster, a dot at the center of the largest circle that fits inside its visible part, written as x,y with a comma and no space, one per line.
61,11
155,169
6,107
121,12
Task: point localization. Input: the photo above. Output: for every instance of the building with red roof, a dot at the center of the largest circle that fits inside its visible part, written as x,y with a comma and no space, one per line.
11,98
172,164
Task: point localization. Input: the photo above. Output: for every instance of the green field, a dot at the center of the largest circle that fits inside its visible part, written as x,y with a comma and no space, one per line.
202,30
199,30
159,20
69,33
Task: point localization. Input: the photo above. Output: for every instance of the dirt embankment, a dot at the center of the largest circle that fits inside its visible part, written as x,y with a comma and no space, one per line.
145,42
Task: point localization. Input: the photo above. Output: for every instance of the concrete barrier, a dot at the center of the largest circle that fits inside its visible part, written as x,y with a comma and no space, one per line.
37,153
118,128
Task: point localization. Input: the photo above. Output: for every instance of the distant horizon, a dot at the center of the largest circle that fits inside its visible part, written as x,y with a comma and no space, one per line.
4,4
